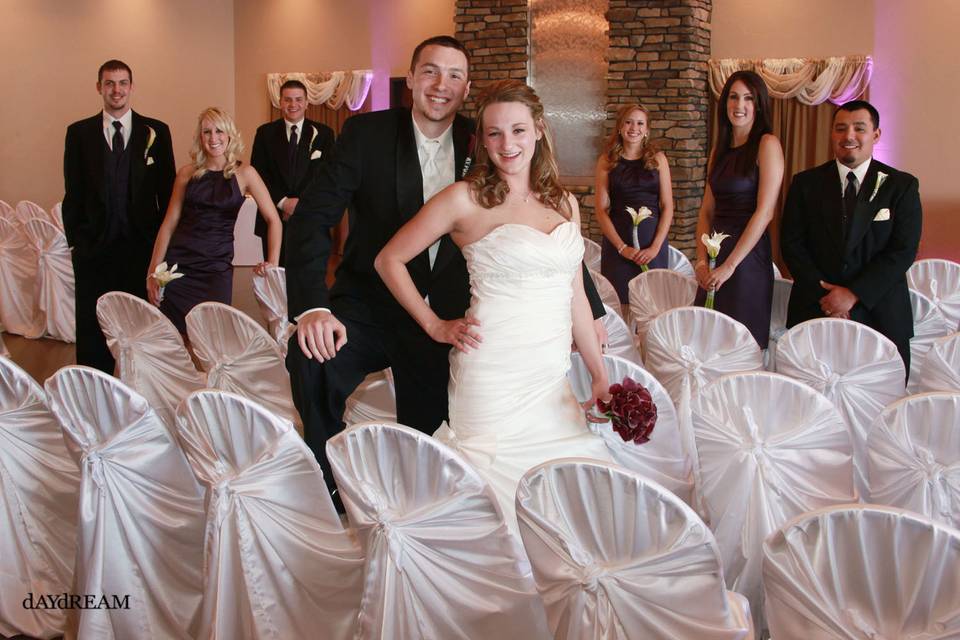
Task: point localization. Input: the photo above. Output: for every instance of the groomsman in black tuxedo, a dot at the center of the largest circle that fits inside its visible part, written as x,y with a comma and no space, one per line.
385,165
287,154
851,229
118,172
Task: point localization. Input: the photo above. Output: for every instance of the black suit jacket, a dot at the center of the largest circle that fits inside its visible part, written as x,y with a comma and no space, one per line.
152,172
871,261
269,158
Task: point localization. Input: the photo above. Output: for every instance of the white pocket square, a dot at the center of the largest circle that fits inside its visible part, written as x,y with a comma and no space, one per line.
883,214
315,154
149,161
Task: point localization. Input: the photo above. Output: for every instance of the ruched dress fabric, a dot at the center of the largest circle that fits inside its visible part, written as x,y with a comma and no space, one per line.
747,295
202,246
511,405
631,185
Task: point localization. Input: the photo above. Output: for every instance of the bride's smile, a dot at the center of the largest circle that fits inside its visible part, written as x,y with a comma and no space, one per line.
510,137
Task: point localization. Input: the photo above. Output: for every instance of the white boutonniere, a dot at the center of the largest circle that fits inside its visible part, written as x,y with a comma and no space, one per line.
151,138
314,136
881,176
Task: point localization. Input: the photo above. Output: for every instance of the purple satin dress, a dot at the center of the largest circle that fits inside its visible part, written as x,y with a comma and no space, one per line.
631,185
202,246
748,295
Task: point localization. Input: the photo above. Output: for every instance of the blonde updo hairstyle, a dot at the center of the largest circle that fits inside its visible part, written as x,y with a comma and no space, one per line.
222,120
488,187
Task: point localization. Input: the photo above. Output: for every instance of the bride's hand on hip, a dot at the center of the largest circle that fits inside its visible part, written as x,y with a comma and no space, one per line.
459,333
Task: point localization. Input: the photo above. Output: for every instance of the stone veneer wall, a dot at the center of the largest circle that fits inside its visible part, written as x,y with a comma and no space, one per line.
658,56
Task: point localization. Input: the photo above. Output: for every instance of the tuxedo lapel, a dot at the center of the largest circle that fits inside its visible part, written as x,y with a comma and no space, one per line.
138,145
303,153
461,138
277,146
96,143
831,204
864,211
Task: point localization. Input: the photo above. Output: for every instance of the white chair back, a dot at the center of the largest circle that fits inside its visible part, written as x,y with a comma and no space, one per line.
270,521
6,211
270,290
913,456
26,210
55,289
591,254
607,292
940,370
616,555
38,507
778,319
655,291
375,400
19,312
939,280
855,367
663,458
679,262
140,525
56,215
239,356
149,352
770,449
441,562
857,572
928,325
619,337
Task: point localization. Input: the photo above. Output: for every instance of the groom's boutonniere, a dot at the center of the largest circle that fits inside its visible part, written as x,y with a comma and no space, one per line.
881,176
151,138
471,146
314,136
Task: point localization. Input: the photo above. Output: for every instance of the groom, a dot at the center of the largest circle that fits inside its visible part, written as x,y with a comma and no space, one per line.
385,165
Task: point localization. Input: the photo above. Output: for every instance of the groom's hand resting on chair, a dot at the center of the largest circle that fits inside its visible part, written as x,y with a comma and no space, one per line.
320,335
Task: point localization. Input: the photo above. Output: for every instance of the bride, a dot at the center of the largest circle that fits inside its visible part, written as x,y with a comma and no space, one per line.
511,406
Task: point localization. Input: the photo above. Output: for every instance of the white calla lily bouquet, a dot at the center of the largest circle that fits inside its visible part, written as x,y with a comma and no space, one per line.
636,217
164,276
712,243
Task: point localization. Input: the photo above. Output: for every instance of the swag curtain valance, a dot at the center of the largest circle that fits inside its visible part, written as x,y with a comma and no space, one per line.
333,89
811,81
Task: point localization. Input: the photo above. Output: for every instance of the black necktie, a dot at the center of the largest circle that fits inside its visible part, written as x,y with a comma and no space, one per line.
849,200
117,146
292,150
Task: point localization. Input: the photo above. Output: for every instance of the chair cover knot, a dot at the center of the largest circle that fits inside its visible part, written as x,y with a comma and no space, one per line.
220,504
219,370
384,523
93,459
858,622
830,378
934,296
591,576
690,360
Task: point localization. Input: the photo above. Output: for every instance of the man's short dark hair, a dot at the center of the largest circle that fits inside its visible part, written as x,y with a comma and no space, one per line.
293,84
440,41
856,105
113,65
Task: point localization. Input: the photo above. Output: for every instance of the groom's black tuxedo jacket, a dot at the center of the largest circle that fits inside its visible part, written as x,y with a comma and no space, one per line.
375,173
150,182
270,158
873,258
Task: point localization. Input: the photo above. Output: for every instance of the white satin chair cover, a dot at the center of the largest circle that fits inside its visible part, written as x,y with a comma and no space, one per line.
619,338
27,210
677,261
617,556
278,562
928,325
939,280
19,313
270,290
664,457
691,346
441,563
38,507
149,352
653,292
863,573
591,254
56,215
607,292
855,367
238,355
940,370
6,211
55,291
913,456
770,449
140,523
375,400
3,348
778,319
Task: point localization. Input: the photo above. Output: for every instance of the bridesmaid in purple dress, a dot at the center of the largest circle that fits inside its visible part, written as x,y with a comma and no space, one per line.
632,172
197,231
744,176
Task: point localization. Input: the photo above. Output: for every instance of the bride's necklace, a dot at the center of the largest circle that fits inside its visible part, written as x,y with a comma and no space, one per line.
526,198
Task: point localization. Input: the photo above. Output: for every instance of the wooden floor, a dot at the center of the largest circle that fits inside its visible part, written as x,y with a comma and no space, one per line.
42,358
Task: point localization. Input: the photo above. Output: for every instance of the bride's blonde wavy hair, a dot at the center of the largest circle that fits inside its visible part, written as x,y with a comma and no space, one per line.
485,182
222,120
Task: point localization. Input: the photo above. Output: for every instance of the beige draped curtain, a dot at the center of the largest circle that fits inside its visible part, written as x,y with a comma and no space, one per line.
805,93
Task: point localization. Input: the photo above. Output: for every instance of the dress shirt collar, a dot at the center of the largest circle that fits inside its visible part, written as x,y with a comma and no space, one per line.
445,139
860,172
288,125
126,121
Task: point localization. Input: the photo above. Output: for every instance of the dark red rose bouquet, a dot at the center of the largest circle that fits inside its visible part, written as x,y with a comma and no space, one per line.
631,411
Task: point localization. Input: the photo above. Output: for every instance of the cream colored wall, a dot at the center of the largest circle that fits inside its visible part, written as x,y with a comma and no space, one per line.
181,53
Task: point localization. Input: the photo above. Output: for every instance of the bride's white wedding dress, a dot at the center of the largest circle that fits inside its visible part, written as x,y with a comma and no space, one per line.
511,406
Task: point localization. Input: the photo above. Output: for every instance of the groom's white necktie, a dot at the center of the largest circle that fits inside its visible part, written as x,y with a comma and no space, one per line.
434,181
